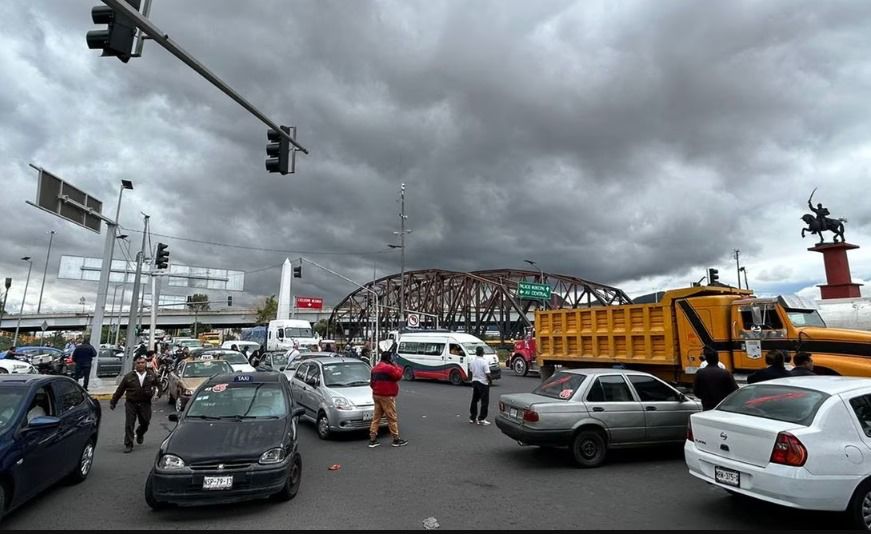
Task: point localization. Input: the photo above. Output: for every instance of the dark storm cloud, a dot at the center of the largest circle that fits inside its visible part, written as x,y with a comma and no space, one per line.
615,142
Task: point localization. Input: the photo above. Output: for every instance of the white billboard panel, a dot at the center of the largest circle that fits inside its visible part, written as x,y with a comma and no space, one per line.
81,268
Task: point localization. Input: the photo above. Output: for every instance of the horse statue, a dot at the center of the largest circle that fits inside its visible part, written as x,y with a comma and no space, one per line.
831,225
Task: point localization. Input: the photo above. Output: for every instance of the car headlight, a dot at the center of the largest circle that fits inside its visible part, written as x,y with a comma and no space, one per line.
170,461
272,456
188,392
343,404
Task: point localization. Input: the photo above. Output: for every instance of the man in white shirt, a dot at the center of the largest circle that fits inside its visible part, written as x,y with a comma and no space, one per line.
481,380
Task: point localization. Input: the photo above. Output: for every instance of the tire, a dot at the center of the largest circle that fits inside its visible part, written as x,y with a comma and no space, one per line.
589,448
455,377
153,503
859,509
323,425
520,367
3,371
86,461
408,373
294,479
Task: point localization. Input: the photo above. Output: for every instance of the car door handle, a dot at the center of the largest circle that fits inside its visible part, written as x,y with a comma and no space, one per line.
650,408
598,409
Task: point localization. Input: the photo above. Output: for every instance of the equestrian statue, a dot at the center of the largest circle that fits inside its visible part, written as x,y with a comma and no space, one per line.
819,222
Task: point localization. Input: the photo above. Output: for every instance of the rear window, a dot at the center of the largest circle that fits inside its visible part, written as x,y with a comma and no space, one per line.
781,403
560,385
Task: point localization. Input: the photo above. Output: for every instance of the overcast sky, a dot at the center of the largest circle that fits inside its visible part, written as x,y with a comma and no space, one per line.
630,143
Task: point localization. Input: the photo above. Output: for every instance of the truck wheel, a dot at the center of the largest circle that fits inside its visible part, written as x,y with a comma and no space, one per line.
408,373
520,367
588,448
455,377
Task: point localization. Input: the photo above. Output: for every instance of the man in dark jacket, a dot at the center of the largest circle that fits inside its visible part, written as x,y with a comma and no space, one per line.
713,383
83,357
384,382
138,386
804,365
774,359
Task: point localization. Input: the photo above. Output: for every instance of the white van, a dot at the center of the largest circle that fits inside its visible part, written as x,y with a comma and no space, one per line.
283,332
442,356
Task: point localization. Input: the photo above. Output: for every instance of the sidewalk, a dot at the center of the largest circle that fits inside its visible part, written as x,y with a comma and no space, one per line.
103,388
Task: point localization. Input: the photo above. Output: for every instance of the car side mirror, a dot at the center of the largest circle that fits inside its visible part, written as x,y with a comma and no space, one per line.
683,398
173,417
43,421
298,412
282,368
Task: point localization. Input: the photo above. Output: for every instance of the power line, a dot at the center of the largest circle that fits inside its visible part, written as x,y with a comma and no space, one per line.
261,249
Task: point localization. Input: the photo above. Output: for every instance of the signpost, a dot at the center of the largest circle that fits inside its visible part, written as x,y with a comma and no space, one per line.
533,291
313,303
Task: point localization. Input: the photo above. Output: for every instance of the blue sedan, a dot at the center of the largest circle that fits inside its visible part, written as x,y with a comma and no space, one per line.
48,432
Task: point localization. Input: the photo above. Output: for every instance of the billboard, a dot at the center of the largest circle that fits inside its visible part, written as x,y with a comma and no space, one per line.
313,303
66,201
123,271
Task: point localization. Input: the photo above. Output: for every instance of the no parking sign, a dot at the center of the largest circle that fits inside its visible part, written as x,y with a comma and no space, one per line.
413,320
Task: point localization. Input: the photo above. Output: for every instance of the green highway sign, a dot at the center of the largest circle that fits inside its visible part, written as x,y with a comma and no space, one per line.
533,291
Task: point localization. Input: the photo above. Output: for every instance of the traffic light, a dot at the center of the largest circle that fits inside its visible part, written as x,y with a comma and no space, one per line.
117,38
229,300
8,283
297,271
713,276
278,150
161,260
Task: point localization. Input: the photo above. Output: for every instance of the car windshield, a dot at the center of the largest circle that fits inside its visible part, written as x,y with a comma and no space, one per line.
805,318
10,403
205,369
278,359
238,400
781,403
229,356
470,348
297,332
346,374
561,385
190,343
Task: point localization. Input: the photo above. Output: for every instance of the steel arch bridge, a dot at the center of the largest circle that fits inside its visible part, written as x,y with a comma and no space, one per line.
475,302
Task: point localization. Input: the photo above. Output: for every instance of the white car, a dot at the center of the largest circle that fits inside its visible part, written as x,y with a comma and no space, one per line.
802,442
16,367
236,359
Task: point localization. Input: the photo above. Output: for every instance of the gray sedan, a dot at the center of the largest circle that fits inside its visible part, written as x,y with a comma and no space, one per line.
593,410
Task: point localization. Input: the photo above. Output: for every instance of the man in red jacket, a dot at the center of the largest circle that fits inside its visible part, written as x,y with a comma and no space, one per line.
385,387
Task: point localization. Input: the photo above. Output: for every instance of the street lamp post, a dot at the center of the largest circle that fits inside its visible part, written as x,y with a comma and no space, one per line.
44,273
21,308
401,233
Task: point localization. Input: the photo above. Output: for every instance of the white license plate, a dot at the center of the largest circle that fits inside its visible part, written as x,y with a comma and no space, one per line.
727,476
367,416
217,483
512,412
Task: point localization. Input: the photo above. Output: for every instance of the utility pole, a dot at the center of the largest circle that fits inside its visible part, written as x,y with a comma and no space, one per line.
134,301
44,272
737,253
21,308
402,231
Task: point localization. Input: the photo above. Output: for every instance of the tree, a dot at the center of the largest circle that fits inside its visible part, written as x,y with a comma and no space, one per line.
322,327
198,301
268,311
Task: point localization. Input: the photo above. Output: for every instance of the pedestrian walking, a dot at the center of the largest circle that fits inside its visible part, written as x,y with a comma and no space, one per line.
83,357
804,365
775,360
713,383
481,381
138,388
384,382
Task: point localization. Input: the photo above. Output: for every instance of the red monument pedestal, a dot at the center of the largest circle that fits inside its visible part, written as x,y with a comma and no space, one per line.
839,282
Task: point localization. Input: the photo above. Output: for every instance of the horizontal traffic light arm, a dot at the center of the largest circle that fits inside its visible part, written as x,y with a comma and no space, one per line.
163,40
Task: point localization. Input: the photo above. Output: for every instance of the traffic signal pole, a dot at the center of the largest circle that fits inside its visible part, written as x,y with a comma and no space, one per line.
133,315
161,38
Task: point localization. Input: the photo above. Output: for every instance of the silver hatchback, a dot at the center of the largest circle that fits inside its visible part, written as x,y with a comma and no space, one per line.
593,410
335,394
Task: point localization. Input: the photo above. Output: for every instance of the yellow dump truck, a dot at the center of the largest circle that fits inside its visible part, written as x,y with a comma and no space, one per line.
666,338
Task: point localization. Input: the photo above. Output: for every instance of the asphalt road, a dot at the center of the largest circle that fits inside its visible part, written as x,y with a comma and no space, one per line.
465,476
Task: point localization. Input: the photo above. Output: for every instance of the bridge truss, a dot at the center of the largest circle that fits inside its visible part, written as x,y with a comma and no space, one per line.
474,302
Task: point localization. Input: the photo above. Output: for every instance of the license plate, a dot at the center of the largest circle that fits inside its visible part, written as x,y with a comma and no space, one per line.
367,416
217,483
512,412
727,476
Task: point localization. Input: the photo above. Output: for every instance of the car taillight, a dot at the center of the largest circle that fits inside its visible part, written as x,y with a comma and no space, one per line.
531,416
690,431
788,450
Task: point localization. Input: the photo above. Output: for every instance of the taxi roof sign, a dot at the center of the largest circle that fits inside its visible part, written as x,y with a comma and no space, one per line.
242,378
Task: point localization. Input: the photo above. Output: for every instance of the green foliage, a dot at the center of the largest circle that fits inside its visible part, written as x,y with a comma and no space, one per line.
268,311
322,328
199,302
